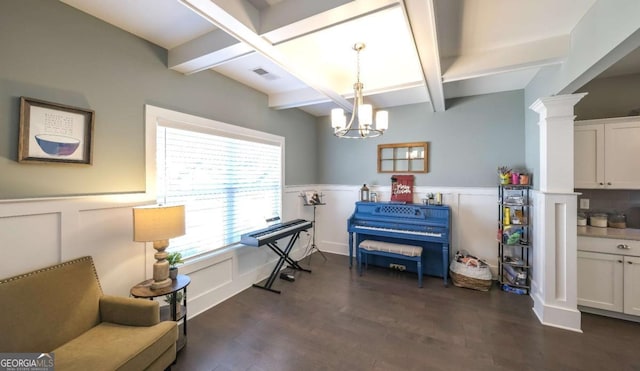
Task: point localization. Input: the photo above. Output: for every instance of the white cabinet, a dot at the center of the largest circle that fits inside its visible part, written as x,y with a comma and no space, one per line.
600,281
606,153
609,274
588,156
632,285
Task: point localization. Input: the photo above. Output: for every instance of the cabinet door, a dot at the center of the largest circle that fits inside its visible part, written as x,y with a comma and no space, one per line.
622,156
600,280
632,285
588,151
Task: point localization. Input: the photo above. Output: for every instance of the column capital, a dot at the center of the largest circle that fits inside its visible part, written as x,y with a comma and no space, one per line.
559,105
556,141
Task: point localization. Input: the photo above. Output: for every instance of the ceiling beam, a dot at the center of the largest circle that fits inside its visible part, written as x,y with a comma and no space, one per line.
421,17
534,54
207,51
296,99
333,12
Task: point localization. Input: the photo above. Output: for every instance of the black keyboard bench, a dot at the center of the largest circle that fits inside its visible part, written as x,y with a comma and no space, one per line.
392,250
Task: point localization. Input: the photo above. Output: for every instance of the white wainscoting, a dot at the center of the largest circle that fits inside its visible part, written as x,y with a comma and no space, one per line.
40,232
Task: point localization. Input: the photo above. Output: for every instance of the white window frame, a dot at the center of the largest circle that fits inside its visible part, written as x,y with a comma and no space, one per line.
155,115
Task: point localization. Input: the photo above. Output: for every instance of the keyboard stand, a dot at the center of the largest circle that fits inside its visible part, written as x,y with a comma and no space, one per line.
284,257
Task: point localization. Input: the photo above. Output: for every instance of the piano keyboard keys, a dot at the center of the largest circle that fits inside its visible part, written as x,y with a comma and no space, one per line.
402,231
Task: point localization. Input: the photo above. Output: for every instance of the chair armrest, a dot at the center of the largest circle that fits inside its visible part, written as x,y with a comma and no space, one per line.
129,311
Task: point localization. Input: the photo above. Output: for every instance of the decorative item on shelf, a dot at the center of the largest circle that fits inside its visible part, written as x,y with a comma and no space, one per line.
362,113
506,219
402,188
524,179
512,235
505,174
518,217
515,177
430,198
174,258
433,199
158,224
364,193
374,196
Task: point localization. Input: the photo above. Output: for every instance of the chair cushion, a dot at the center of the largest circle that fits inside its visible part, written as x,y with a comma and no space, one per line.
395,248
110,346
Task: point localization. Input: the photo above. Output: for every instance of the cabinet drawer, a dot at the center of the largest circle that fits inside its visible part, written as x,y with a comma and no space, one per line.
609,246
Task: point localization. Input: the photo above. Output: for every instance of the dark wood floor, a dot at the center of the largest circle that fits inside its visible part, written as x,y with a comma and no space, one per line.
332,319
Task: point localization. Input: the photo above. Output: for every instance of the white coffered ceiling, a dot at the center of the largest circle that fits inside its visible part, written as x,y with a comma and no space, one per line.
299,52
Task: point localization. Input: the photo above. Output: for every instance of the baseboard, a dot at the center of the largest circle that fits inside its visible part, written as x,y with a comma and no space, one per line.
607,313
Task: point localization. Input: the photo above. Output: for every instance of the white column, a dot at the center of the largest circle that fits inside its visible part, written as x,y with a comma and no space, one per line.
554,286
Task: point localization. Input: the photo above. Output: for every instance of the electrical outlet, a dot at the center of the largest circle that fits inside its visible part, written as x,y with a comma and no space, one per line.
584,203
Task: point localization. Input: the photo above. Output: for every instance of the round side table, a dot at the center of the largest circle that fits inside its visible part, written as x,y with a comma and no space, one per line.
175,311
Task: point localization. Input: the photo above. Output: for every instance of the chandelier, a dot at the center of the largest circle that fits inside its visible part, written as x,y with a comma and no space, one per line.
362,113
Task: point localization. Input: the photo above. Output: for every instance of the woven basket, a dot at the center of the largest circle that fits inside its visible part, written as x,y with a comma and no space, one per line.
470,282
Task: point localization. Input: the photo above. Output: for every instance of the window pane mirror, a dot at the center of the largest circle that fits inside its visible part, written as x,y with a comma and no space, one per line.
403,157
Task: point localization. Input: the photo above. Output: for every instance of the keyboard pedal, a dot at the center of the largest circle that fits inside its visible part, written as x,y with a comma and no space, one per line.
287,277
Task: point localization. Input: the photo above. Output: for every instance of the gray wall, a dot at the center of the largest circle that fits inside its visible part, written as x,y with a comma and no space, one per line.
610,97
467,143
53,52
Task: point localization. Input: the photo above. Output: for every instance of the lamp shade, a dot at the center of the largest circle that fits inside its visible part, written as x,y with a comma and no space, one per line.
155,223
382,120
365,115
338,120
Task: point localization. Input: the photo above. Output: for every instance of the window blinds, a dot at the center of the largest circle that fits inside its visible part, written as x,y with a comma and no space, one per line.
228,184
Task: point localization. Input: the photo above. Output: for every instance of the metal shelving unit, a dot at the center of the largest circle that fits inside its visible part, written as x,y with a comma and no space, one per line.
514,238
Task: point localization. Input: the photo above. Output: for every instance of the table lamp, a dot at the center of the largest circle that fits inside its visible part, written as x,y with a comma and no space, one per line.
158,224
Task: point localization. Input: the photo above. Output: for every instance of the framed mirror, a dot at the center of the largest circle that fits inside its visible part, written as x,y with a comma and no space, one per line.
403,157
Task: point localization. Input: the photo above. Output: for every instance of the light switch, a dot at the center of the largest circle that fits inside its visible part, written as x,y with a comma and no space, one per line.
584,203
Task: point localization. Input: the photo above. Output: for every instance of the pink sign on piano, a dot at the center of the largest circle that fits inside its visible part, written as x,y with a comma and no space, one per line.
402,188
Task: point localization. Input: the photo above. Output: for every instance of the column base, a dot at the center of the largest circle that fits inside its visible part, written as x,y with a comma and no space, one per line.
564,318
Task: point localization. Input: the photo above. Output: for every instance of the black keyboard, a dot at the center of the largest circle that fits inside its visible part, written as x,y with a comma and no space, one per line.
274,232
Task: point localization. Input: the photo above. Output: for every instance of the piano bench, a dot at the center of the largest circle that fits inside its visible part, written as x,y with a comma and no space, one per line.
391,250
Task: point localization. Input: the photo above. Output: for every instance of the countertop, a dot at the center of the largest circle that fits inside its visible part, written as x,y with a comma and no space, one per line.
617,233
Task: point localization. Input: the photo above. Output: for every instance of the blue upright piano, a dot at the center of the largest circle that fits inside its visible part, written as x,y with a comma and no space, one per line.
427,226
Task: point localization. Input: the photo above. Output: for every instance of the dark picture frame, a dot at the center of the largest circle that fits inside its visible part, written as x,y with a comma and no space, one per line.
55,133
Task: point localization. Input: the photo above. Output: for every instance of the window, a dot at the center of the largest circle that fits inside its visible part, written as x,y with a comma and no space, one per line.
229,179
